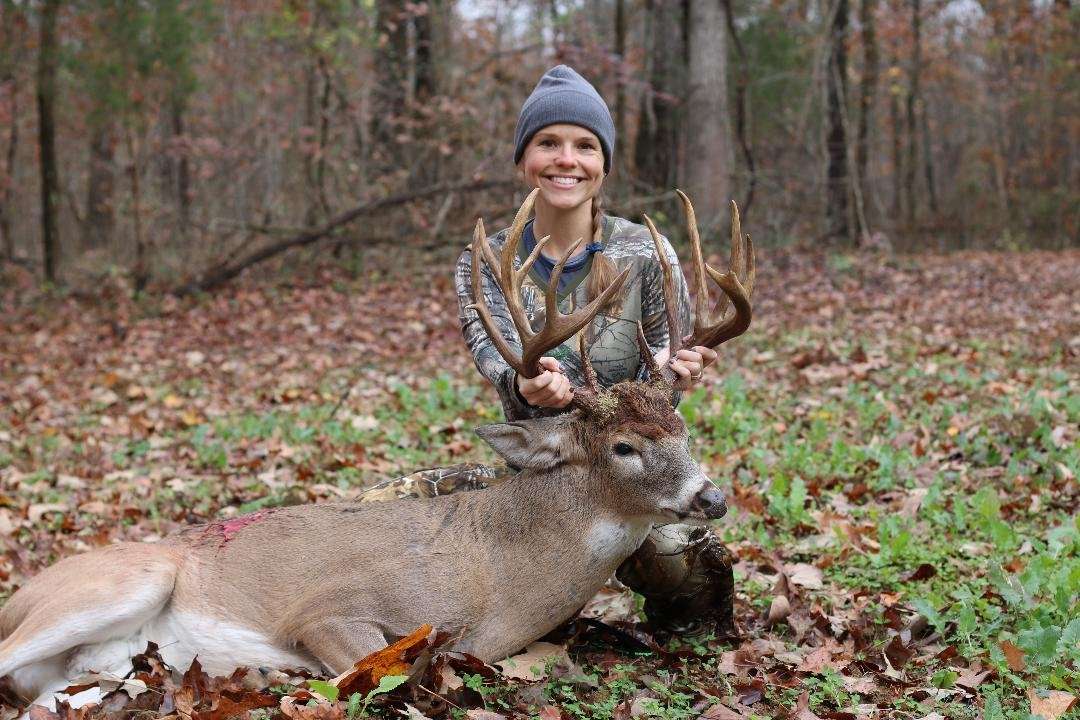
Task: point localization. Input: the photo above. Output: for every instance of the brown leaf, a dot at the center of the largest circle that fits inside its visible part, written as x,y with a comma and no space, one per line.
531,665
1014,656
478,714
923,572
720,712
225,707
805,575
898,653
779,609
1054,705
391,660
973,677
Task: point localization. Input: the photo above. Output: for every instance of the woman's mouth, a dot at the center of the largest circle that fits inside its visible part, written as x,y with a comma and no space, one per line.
563,181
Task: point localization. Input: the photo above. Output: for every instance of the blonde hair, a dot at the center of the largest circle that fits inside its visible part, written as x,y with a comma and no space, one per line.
603,271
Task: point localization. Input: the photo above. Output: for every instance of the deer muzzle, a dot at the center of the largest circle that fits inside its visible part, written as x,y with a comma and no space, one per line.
710,501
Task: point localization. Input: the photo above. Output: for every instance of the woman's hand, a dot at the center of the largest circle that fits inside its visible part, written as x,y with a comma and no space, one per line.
550,388
689,365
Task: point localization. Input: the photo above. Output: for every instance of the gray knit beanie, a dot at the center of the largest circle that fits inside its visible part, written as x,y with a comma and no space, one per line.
563,96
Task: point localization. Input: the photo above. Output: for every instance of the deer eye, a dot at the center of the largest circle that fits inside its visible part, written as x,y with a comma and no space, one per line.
624,449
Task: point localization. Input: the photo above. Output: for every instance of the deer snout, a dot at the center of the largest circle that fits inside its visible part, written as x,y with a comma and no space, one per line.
710,501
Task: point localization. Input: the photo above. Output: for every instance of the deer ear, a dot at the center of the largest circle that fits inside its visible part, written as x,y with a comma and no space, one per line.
537,444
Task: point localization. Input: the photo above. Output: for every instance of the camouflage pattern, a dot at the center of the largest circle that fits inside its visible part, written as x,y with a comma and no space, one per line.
435,481
612,337
684,573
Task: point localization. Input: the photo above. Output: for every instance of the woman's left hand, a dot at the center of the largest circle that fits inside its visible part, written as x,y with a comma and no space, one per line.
689,365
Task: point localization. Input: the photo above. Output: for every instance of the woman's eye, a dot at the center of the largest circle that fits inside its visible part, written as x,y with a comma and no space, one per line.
624,449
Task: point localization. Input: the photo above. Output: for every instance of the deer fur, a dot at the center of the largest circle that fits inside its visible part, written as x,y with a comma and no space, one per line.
321,586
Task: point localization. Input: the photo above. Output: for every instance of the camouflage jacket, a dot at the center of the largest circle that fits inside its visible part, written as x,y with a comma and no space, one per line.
612,338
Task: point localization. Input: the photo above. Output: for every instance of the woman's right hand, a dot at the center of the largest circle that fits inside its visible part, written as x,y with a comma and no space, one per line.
551,388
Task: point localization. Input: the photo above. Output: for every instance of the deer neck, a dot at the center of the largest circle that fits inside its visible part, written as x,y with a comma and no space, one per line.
552,511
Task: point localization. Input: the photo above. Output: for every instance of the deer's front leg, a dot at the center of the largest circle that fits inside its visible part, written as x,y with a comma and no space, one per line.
338,644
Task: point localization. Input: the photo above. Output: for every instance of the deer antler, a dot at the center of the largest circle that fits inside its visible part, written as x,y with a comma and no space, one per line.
558,327
711,328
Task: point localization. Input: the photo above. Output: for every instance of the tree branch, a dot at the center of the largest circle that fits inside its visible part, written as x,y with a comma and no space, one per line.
220,274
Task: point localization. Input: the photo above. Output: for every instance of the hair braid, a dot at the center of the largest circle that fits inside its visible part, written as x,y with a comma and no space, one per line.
603,271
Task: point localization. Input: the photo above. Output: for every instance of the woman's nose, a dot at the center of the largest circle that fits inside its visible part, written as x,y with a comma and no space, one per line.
565,156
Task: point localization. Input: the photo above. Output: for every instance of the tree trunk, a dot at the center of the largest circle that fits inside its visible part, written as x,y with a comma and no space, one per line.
928,160
657,151
100,215
709,156
9,169
391,72
620,70
912,100
897,155
46,101
742,100
867,89
141,272
183,172
838,186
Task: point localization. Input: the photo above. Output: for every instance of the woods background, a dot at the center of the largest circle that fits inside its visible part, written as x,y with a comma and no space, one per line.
184,140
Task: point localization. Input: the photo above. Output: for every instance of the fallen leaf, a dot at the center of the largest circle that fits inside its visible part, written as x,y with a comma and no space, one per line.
35,512
864,685
779,609
805,575
1014,656
720,712
1054,705
532,664
477,714
393,659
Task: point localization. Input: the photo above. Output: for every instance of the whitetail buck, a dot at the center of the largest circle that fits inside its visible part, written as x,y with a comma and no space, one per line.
321,586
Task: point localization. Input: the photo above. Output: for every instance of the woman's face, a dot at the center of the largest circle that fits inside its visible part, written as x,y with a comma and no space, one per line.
566,163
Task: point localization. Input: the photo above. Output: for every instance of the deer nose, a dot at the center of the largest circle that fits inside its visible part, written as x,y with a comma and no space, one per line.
710,500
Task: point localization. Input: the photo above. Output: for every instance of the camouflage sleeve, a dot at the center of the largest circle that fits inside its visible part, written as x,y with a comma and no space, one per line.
487,358
653,313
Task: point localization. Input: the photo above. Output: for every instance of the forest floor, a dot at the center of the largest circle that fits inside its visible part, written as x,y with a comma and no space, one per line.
897,436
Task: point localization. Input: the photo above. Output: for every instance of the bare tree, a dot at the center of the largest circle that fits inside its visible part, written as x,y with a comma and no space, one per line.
46,101
658,149
838,187
13,20
709,156
912,100
100,213
867,88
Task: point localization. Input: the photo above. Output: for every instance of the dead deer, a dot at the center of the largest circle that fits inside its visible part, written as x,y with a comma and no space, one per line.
321,586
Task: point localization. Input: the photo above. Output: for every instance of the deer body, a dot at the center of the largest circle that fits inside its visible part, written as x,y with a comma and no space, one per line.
321,586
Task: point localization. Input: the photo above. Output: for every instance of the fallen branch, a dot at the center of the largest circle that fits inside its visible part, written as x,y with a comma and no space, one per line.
221,274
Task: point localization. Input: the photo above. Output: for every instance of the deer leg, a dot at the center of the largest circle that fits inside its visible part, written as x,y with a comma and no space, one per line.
339,644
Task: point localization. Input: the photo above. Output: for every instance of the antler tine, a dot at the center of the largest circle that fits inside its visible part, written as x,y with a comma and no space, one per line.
480,248
646,354
670,298
510,279
586,397
708,332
